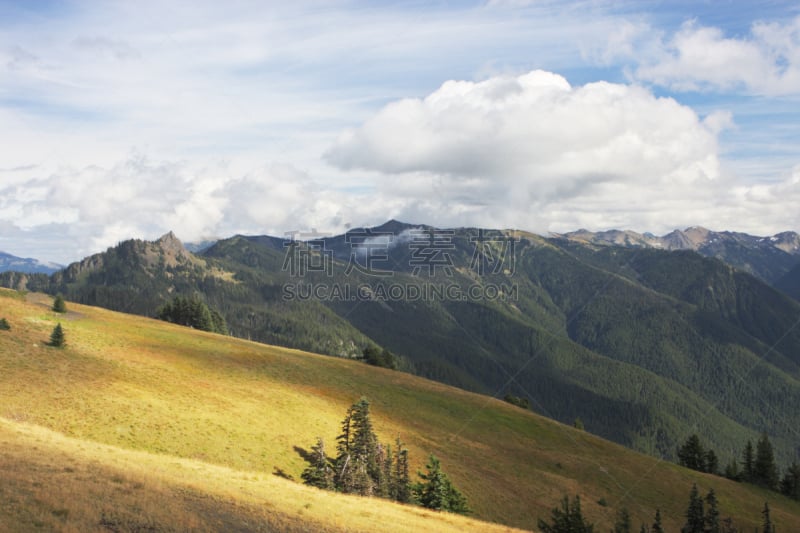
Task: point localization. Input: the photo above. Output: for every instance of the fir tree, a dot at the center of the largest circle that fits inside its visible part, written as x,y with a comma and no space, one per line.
695,517
4,325
400,484
319,473
357,468
342,464
765,473
567,519
437,492
712,524
692,455
767,526
790,484
657,527
58,304
748,463
711,463
57,337
623,522
732,471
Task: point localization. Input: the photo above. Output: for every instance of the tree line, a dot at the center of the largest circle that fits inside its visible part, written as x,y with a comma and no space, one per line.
702,516
367,467
194,313
757,466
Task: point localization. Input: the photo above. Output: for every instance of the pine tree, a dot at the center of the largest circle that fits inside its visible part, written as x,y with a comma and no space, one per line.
712,524
382,477
657,527
567,519
748,463
357,467
436,490
342,464
319,473
4,325
711,463
767,527
732,471
58,304
692,455
400,484
57,337
765,473
790,484
694,513
623,522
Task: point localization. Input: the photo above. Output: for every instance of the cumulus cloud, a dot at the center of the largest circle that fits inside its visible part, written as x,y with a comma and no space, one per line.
765,62
534,139
87,209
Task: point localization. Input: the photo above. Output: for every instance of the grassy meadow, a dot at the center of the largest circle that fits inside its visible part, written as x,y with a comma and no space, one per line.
141,423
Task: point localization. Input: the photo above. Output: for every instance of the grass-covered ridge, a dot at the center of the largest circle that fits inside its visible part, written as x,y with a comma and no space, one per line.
168,392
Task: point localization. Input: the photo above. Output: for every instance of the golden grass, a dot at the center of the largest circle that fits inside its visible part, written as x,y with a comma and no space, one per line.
57,483
174,394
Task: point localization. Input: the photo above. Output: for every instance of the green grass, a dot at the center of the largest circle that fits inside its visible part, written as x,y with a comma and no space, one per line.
173,395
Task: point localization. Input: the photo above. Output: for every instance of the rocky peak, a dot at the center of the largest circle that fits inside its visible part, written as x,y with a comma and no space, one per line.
170,243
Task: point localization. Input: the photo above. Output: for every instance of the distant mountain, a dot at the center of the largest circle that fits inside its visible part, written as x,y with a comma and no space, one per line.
197,247
9,262
767,258
790,283
645,345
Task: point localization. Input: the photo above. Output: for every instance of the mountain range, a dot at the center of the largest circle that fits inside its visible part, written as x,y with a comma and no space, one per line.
768,258
10,262
644,344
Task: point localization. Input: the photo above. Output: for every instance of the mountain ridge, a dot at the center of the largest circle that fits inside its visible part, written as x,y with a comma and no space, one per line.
768,258
9,262
594,318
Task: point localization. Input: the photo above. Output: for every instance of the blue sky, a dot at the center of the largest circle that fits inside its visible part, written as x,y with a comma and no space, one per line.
122,120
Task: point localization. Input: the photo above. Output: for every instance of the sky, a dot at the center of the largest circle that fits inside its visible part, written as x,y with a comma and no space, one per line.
124,120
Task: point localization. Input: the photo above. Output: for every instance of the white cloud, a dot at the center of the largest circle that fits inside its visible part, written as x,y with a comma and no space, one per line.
230,107
533,139
766,62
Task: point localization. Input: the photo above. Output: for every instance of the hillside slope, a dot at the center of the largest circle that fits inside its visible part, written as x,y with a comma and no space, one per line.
711,350
170,392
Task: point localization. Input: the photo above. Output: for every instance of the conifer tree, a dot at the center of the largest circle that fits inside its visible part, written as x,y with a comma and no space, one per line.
695,517
712,524
400,488
319,473
732,471
748,463
711,462
342,464
623,522
4,325
57,337
765,473
692,455
357,467
567,519
58,304
790,484
657,527
767,526
436,491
